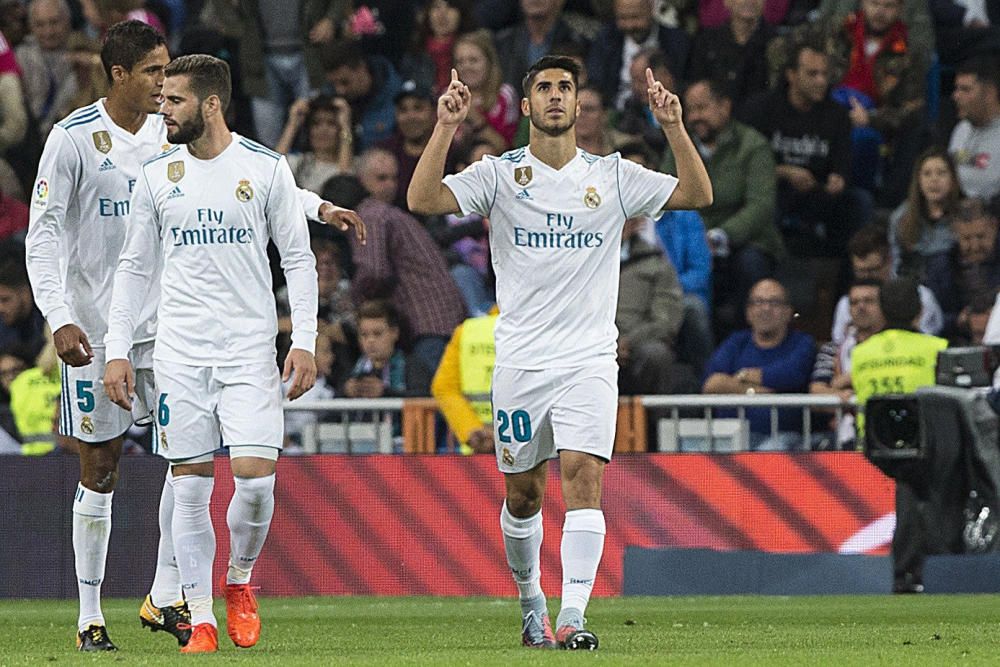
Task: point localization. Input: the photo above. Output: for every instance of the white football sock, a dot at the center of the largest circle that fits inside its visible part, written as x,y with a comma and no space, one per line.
194,543
249,518
166,589
582,546
91,533
522,539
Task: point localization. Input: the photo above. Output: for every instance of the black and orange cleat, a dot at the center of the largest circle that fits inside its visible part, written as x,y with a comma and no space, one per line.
242,621
204,639
174,620
536,631
94,638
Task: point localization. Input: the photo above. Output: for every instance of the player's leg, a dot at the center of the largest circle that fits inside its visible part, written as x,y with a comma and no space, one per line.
97,426
524,445
583,423
251,418
164,608
187,434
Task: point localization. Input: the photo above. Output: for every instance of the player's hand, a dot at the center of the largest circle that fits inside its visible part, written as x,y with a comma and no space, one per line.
481,440
343,219
300,365
72,345
119,383
453,105
666,106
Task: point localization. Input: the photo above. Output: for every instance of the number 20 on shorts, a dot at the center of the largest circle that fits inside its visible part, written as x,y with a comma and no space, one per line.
517,423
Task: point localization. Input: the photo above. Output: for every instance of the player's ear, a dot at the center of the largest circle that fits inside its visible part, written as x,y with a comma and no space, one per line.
525,109
118,73
212,104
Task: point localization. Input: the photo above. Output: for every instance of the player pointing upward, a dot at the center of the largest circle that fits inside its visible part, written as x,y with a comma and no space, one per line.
556,217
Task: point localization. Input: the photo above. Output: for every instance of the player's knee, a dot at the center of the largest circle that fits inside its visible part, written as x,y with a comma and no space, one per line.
255,490
523,503
101,476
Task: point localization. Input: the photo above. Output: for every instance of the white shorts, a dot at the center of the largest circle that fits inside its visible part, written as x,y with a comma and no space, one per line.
86,411
538,413
200,407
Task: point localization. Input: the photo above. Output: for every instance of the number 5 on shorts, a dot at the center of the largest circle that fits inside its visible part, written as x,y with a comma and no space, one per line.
518,422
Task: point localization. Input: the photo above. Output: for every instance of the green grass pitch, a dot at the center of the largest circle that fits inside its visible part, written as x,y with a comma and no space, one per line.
902,631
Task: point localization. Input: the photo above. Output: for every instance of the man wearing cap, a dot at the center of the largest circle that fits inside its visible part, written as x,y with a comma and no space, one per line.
899,360
415,117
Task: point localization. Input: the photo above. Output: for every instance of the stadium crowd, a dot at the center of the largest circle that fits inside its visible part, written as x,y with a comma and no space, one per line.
848,142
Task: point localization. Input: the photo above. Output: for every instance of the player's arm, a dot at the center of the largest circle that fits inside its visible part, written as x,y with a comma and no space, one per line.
288,230
427,195
137,264
55,186
694,189
319,210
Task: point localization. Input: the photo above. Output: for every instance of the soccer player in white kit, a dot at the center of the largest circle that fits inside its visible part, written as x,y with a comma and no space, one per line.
556,217
79,208
202,215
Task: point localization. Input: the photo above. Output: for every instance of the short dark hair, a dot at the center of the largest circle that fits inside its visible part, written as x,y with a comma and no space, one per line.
343,54
984,68
900,301
868,239
378,310
639,148
971,209
14,274
208,76
550,62
796,48
127,43
344,190
716,89
864,282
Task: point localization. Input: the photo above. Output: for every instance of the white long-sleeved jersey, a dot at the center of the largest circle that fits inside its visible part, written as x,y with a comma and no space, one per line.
205,225
79,210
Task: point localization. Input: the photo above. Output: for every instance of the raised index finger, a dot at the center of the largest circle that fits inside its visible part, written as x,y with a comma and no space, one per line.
649,78
454,74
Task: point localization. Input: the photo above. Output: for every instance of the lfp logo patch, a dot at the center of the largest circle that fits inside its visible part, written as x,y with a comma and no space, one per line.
41,198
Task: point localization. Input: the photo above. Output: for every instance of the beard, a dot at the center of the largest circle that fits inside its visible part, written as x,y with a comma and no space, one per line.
187,132
553,128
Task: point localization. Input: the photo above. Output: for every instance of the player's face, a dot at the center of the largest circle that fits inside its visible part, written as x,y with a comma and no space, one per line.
377,339
143,84
551,104
182,112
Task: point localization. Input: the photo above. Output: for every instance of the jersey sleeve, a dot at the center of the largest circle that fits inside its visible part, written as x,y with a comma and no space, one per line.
137,264
310,203
643,191
56,184
288,229
475,187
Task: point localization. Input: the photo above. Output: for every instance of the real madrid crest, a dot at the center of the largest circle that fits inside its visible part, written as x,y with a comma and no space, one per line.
244,192
87,425
508,458
522,176
102,141
175,171
163,440
591,198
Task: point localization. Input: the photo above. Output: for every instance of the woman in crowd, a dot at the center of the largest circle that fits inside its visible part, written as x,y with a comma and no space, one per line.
330,143
495,105
429,61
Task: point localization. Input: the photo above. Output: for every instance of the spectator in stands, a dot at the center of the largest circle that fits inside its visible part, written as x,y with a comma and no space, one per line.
971,271
593,134
102,14
383,27
463,381
540,29
715,13
382,368
34,400
13,213
428,62
370,84
634,117
832,371
769,357
13,109
650,311
495,110
329,141
415,117
280,47
378,171
20,321
14,22
296,421
681,234
915,14
335,317
919,229
401,263
49,78
635,28
975,141
741,232
871,259
810,136
735,53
